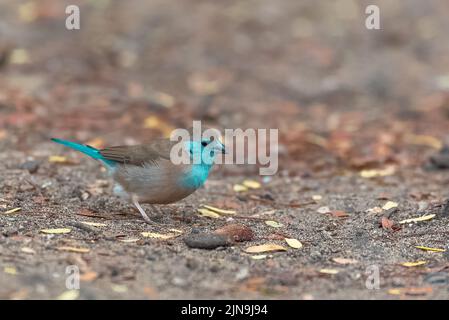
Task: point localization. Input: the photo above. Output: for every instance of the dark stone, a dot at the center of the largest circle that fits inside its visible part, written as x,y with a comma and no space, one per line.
437,278
32,166
206,240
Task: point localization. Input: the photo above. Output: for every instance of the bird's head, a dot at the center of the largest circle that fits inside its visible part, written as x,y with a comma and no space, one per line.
205,150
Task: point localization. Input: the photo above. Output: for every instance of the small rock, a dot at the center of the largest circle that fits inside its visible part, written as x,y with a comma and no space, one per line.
32,166
422,206
437,278
206,240
236,232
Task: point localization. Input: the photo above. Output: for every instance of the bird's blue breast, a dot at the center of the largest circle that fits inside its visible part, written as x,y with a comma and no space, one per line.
196,177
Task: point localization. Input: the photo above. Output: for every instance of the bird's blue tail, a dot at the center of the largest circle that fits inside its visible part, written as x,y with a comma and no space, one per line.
90,151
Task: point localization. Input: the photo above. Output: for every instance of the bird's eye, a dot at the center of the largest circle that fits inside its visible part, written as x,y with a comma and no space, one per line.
204,143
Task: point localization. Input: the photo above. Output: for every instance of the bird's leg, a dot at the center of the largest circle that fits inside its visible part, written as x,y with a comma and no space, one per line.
142,212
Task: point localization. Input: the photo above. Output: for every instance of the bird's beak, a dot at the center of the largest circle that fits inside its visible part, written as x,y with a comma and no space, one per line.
220,147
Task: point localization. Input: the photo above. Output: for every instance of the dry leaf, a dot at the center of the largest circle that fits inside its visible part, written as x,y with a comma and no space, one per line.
221,211
430,249
375,210
424,140
413,264
153,122
329,271
372,173
28,250
386,223
389,204
419,219
119,288
10,270
239,188
274,224
344,260
339,214
317,197
69,295
208,213
12,210
176,230
56,231
323,210
57,159
265,248
259,257
155,235
74,249
88,276
19,56
251,184
293,243
129,240
411,291
94,224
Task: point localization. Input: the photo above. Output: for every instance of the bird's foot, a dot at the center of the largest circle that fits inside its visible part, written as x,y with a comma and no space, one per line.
142,212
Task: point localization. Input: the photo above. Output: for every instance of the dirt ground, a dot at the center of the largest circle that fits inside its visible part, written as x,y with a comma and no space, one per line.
362,118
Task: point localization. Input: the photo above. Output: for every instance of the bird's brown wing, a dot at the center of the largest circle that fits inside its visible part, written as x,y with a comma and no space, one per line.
140,154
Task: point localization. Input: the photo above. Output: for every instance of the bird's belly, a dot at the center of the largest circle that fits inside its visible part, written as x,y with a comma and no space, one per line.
155,185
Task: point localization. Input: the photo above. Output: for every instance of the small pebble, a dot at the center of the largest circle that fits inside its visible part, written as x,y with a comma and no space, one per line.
206,240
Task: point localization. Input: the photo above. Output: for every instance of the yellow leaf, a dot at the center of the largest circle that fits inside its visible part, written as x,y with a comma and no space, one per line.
265,248
239,188
317,197
28,12
153,122
430,249
56,231
119,288
259,257
251,184
413,264
389,204
372,173
293,243
94,224
423,218
57,159
395,292
19,56
74,249
10,270
155,235
425,140
274,224
12,210
69,295
344,261
329,271
217,210
208,213
176,230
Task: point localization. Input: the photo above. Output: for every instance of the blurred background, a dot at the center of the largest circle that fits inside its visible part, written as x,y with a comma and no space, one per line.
341,95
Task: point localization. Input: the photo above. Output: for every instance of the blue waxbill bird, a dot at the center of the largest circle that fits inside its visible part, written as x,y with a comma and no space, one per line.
145,173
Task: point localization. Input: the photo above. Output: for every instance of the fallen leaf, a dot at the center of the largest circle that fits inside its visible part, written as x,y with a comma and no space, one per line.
317,197
251,184
375,210
274,224
410,291
89,276
389,205
10,270
176,230
153,122
209,214
12,210
239,188
386,223
56,231
372,173
329,271
119,288
28,250
129,240
339,214
294,243
158,235
413,264
259,257
69,295
265,248
221,211
57,159
344,261
419,219
19,56
323,210
424,140
94,224
430,249
74,249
